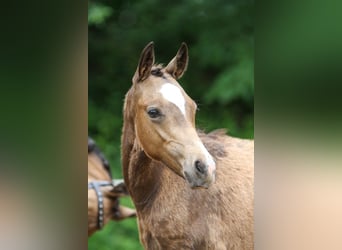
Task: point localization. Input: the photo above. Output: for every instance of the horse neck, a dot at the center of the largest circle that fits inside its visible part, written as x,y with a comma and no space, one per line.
96,170
128,134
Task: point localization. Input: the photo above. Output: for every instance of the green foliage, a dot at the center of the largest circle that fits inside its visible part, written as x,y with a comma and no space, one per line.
97,13
220,37
234,83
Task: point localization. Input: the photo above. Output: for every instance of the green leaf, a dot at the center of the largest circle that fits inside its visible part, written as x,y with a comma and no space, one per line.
233,83
98,13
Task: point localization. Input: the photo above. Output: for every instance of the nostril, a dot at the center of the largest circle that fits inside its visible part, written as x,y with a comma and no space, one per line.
200,167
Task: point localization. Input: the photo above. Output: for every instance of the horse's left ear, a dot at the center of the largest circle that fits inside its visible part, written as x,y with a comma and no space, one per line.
178,65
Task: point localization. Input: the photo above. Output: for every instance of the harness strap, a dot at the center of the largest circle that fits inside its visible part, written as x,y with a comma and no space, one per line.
100,212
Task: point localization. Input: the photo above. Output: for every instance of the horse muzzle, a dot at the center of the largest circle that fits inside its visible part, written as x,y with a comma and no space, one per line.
200,174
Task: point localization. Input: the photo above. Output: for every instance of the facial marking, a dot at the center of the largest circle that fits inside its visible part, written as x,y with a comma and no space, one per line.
173,94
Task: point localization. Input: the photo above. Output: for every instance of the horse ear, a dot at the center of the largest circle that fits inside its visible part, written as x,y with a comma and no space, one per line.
178,65
145,63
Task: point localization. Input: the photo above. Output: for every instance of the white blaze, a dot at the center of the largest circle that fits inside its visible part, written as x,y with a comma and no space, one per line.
173,94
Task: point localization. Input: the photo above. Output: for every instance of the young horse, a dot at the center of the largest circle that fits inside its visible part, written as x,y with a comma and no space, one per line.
191,190
103,198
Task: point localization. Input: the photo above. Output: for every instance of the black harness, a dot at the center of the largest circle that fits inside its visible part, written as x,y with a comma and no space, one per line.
96,185
100,206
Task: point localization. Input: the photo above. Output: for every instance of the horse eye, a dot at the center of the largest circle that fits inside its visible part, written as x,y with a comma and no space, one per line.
153,113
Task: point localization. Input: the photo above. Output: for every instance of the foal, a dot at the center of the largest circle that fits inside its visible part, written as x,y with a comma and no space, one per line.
191,190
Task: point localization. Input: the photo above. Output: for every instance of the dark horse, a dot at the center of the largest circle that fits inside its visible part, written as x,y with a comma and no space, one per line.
191,190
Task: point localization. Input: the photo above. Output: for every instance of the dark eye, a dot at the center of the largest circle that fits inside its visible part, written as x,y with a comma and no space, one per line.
153,113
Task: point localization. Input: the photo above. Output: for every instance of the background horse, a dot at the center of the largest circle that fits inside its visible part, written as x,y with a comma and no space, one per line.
103,197
191,190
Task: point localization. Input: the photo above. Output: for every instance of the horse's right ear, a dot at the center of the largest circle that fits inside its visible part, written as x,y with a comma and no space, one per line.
179,63
145,63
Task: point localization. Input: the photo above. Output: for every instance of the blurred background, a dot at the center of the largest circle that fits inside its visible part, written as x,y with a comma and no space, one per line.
220,77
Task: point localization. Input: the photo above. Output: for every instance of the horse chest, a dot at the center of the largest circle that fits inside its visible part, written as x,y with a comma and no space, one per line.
171,229
165,233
